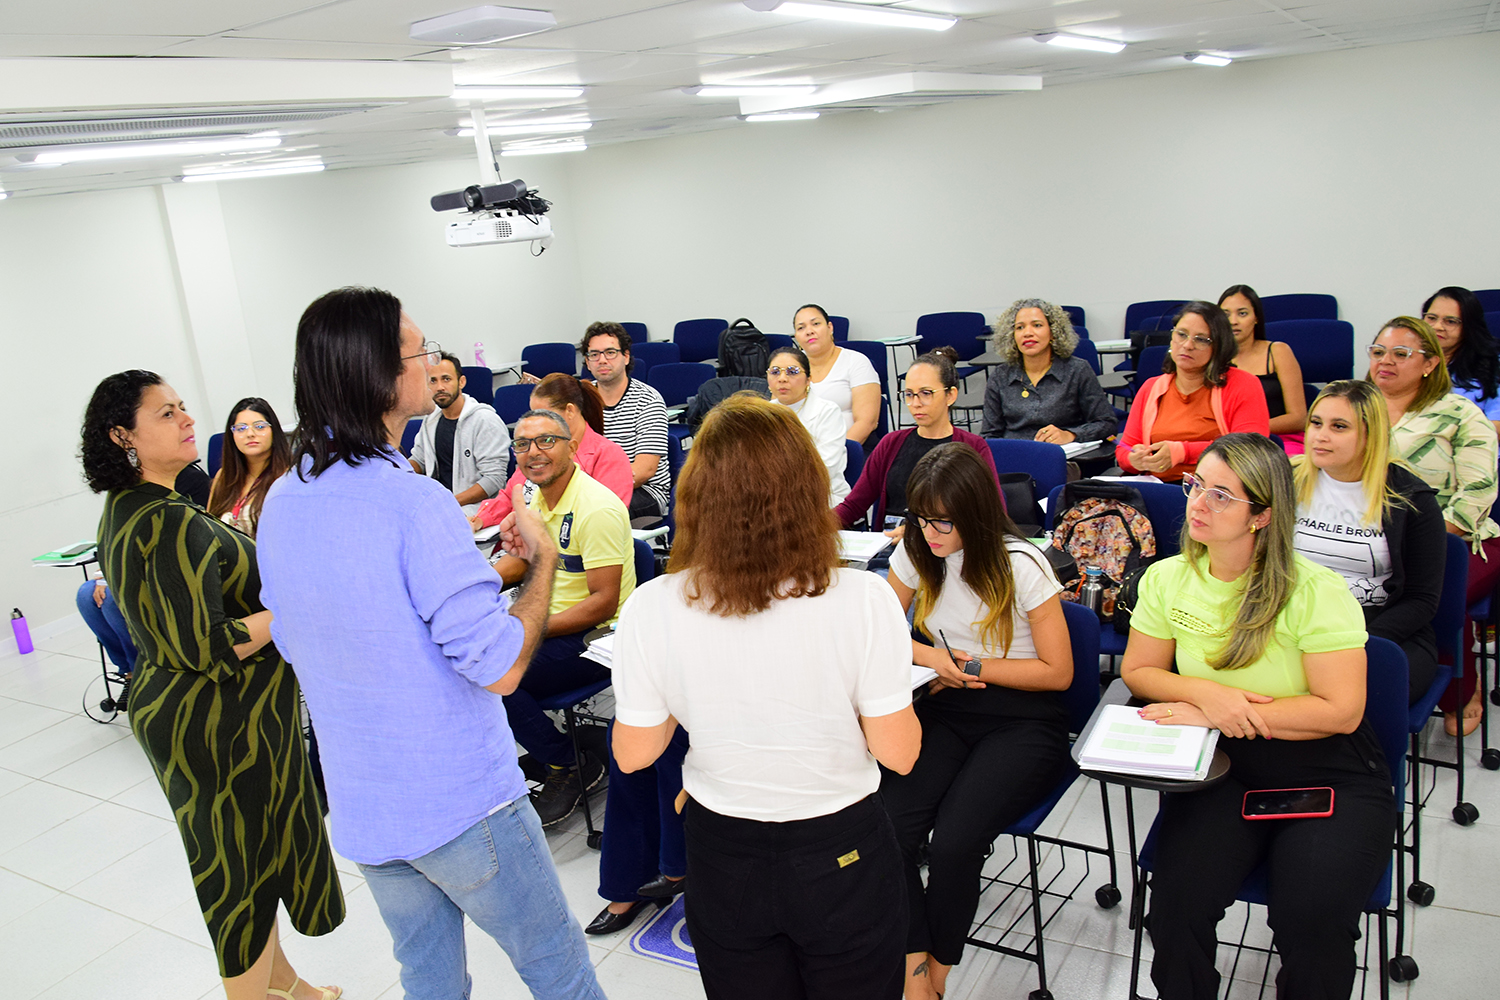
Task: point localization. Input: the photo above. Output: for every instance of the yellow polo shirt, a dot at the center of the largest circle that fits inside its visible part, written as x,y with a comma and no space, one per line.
591,529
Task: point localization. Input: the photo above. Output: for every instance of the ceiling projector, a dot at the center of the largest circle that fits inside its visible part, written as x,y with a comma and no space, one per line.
496,213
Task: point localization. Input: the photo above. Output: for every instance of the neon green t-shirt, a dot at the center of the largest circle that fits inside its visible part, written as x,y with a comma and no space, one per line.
1195,611
592,529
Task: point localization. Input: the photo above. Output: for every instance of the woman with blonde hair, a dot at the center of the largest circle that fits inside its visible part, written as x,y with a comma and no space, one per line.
1241,634
790,857
1447,441
1372,521
1043,392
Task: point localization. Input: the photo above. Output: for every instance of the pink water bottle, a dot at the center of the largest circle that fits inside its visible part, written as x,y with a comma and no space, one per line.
479,355
23,634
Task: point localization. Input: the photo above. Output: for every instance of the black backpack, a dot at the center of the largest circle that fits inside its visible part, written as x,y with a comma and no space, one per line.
743,351
1099,522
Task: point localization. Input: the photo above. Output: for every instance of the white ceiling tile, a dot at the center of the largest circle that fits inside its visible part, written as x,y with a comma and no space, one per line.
14,45
157,17
245,47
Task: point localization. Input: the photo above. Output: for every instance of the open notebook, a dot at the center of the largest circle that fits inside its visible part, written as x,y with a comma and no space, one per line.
1123,742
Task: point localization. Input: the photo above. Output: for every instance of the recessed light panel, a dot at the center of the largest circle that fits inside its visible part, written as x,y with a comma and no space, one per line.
478,25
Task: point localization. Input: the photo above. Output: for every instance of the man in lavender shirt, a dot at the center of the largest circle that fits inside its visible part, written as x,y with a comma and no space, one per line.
403,646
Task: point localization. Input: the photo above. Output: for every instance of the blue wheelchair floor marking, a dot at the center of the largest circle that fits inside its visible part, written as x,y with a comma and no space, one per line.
665,938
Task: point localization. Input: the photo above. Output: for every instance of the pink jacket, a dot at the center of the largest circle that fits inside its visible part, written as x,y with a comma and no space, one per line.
1238,405
597,455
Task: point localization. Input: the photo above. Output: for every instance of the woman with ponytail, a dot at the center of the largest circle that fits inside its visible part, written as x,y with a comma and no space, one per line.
598,456
1241,634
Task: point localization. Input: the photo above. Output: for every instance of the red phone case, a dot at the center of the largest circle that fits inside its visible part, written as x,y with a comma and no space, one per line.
1314,815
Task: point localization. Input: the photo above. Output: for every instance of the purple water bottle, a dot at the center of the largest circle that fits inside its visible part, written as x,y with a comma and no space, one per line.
23,634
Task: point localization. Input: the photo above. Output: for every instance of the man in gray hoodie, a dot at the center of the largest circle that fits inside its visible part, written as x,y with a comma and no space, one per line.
463,443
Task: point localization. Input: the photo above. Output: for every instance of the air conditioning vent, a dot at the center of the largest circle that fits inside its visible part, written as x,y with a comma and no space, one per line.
22,131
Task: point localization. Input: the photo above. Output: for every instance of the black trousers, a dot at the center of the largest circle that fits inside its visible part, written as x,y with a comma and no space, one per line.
644,504
1322,871
976,775
805,909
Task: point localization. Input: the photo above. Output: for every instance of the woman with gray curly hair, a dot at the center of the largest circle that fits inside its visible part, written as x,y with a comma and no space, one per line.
1042,392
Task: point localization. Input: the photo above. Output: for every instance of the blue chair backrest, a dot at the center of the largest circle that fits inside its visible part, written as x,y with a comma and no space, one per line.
637,331
1149,367
1324,347
479,383
1166,507
699,338
1138,311
1489,298
544,359
1075,315
840,327
854,463
1386,688
776,340
678,382
216,453
1082,331
1448,620
1045,462
645,561
1301,306
1082,695
511,401
1088,352
958,330
648,354
1492,320
409,435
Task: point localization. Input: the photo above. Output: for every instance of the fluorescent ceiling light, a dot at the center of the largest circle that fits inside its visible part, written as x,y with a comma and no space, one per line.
4,195
1088,42
790,116
862,91
141,150
478,25
831,10
1207,59
519,149
535,128
474,92
766,90
272,168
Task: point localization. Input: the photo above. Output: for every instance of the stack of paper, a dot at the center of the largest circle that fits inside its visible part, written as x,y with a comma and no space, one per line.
922,676
1123,742
72,555
1079,447
601,650
861,546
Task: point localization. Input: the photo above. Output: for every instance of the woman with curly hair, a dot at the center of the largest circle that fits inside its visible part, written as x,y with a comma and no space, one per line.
1042,392
257,454
213,704
790,858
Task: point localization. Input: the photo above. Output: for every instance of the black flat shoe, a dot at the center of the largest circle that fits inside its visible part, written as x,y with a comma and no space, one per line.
608,923
662,887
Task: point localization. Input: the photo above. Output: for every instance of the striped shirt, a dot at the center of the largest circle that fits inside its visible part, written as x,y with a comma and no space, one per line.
638,424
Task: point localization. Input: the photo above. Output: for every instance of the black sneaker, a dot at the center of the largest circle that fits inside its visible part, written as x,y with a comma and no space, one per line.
559,794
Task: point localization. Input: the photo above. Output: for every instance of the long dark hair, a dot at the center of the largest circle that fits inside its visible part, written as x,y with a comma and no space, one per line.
113,404
234,468
951,482
1217,371
1474,360
560,387
347,364
1255,306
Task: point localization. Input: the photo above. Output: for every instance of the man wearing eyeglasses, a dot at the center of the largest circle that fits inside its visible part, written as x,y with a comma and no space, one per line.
635,416
463,443
595,574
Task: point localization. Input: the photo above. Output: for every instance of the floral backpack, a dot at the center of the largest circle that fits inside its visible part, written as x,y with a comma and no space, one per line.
1103,524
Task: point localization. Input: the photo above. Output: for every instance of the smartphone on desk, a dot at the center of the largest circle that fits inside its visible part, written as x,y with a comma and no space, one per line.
1288,803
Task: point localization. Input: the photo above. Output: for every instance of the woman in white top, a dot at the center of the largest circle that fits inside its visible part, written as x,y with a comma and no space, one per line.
844,378
789,379
793,677
256,453
994,728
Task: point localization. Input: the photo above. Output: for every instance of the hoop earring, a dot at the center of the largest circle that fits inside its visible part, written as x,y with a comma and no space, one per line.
132,458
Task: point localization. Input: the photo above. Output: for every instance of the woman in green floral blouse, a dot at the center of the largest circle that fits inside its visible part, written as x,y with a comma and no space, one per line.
1449,442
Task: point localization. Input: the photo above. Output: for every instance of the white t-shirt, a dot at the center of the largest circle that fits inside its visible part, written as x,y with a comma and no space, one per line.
850,368
771,701
1331,533
826,425
959,610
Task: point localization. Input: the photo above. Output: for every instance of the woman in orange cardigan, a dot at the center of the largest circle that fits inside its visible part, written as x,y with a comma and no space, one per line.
1175,416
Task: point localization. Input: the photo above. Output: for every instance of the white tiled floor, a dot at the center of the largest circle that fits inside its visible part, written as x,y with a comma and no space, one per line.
95,898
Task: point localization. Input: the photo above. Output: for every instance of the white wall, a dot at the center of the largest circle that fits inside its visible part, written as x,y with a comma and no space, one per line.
1367,174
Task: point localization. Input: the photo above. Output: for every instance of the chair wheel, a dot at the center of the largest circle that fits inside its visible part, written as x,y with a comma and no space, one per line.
1464,814
1107,896
1039,995
1421,893
595,839
107,705
1490,759
1495,696
1403,969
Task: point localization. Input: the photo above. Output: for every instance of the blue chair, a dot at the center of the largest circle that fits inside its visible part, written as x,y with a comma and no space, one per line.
1146,315
1082,331
215,453
570,703
637,331
511,401
1492,320
1088,352
1075,315
409,435
542,360
1385,710
875,352
479,383
699,338
958,330
1081,697
840,328
776,341
1045,463
854,463
648,354
1276,308
678,383
1152,359
1324,347
1489,298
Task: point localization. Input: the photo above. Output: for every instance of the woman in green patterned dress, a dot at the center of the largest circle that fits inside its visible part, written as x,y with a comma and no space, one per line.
214,705
1450,443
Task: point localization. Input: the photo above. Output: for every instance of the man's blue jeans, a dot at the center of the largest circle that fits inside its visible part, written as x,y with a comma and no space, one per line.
500,873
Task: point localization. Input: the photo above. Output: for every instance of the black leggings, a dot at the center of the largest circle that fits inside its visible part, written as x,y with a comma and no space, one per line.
976,775
1322,871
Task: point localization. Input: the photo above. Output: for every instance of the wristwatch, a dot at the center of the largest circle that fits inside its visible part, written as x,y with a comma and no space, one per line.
971,667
